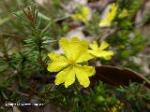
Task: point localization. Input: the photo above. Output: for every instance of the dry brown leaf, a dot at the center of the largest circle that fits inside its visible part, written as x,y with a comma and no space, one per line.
117,76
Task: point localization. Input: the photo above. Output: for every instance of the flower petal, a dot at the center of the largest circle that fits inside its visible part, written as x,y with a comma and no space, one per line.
107,55
58,62
84,57
103,45
104,54
60,77
94,45
83,73
66,76
70,78
74,48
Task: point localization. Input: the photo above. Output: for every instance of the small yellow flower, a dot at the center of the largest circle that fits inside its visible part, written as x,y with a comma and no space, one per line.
70,65
99,51
109,15
83,14
117,108
124,13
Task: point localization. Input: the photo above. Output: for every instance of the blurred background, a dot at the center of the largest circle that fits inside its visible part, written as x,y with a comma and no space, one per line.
30,29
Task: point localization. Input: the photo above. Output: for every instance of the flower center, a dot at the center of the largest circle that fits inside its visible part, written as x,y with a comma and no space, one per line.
72,62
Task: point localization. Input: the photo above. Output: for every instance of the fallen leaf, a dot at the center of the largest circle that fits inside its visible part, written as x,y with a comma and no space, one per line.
117,76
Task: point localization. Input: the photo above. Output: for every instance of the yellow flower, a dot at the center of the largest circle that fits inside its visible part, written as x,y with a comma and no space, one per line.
83,14
108,15
117,108
124,13
71,64
99,51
